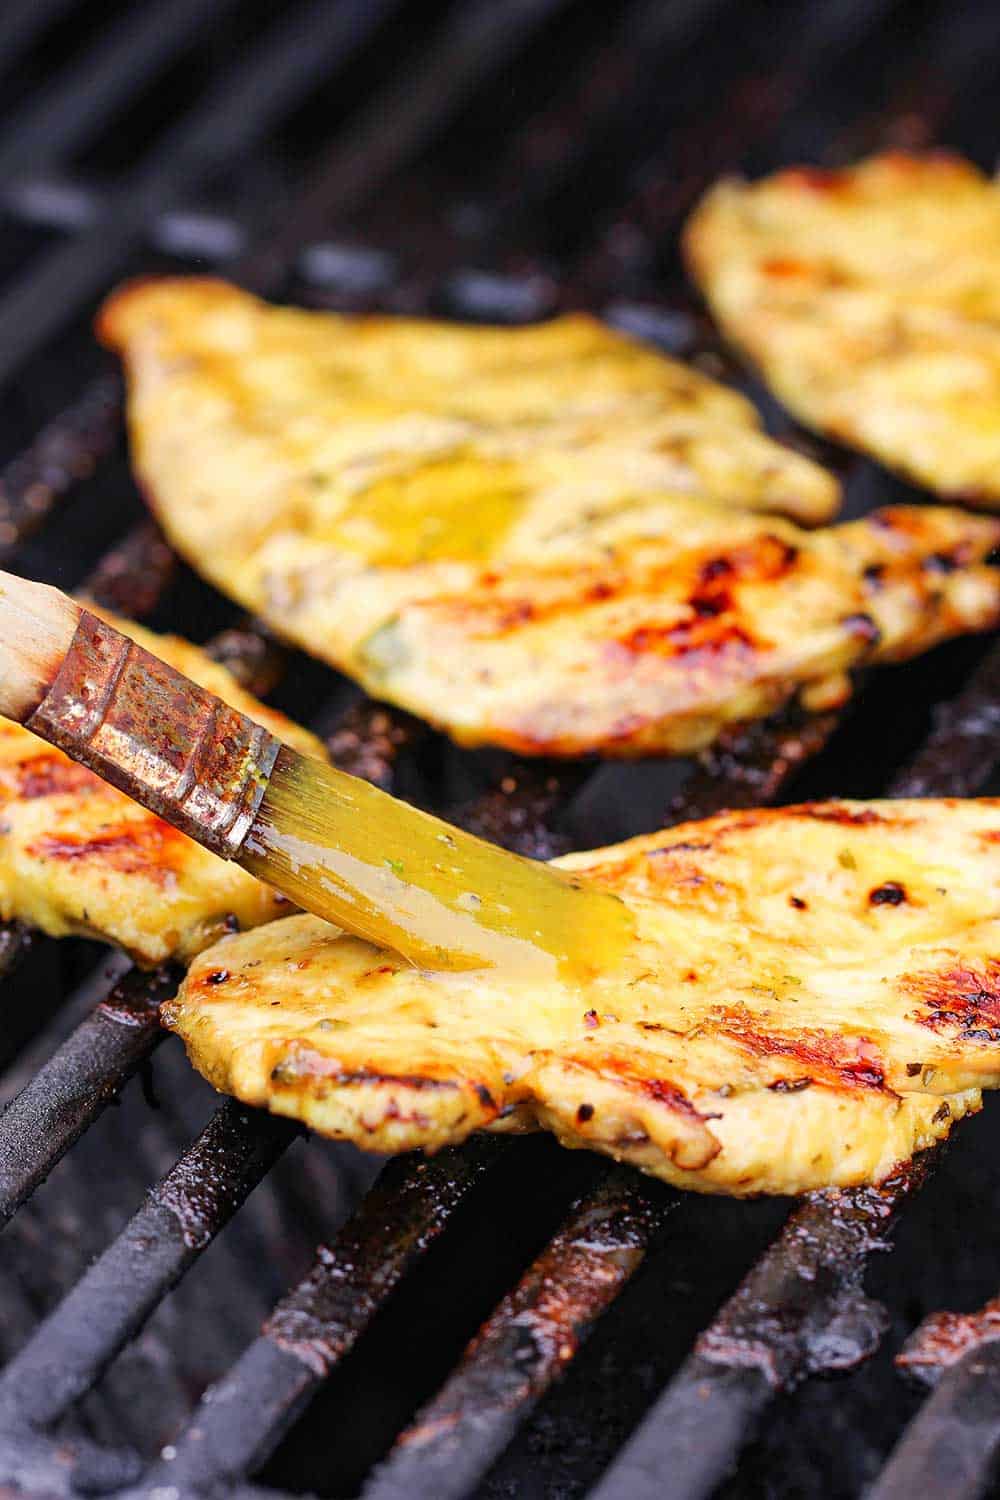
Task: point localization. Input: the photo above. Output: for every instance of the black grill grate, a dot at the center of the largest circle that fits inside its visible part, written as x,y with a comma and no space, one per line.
484,160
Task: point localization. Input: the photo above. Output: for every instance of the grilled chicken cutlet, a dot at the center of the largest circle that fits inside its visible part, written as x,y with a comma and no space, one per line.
76,856
813,995
549,538
870,298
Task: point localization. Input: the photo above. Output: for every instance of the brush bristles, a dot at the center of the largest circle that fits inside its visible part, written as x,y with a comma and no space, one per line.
37,624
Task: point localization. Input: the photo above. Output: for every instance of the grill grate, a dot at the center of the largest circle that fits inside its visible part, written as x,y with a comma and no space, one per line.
532,192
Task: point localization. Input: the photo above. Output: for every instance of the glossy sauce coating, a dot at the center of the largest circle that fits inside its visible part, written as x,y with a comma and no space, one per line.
410,882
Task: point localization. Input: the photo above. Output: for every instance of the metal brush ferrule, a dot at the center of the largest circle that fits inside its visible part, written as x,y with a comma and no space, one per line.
148,730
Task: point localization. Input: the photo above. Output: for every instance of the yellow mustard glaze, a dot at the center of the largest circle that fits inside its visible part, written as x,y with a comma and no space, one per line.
408,881
454,507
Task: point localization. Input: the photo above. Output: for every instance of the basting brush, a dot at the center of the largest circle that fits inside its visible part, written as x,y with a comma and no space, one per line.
335,845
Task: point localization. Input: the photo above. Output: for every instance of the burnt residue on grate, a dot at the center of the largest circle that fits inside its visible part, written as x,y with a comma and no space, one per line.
801,1311
946,1337
64,453
523,1348
132,577
242,1418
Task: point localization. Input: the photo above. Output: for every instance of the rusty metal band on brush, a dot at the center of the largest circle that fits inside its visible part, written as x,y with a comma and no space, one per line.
161,739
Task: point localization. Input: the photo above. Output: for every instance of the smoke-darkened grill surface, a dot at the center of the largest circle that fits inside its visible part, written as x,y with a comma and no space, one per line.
492,160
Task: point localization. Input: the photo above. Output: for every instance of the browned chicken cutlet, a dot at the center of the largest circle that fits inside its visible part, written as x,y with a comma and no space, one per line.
549,538
813,995
869,296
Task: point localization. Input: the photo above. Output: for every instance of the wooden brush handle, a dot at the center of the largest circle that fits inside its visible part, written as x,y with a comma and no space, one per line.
167,743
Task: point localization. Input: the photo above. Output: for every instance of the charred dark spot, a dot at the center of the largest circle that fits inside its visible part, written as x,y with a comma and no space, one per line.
762,560
584,1113
862,627
217,976
798,903
48,776
912,1069
518,612
715,568
872,1078
874,574
485,1097
684,847
651,1026
939,562
789,1085
943,1112
962,1001
666,1093
707,606
591,1019
890,893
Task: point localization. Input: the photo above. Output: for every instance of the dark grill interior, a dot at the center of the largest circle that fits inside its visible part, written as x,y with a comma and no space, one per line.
488,161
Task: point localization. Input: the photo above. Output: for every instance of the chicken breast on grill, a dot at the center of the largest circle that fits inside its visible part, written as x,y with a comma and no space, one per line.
76,856
870,298
813,995
551,538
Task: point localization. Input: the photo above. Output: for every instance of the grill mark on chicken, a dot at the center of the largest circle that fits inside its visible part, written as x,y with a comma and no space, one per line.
150,847
960,1001
46,776
689,638
851,1061
714,583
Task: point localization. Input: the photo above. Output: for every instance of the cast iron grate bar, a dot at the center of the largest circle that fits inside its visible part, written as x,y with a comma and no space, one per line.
66,451
179,1218
528,1342
241,1419
303,47
391,129
132,577
960,754
64,115
23,22
952,1445
41,1123
801,1311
